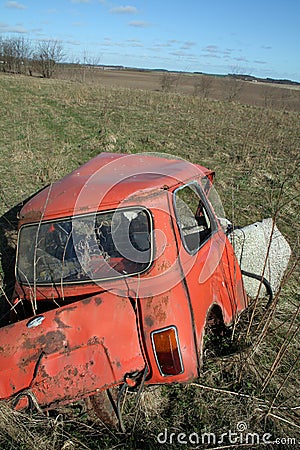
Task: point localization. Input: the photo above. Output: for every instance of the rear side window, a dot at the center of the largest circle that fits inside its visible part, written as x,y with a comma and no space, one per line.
195,221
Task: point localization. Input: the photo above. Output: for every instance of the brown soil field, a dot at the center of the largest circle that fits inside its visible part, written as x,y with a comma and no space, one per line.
262,94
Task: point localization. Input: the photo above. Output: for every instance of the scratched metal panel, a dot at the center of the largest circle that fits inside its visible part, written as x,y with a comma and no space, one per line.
75,350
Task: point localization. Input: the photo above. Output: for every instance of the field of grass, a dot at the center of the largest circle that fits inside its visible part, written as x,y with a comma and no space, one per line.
277,96
47,129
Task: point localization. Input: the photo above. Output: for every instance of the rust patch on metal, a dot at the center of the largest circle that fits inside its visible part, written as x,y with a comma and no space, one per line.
32,215
149,321
108,359
101,405
71,372
52,341
94,340
165,300
23,363
164,266
60,323
86,301
118,364
160,309
149,302
149,194
67,308
49,343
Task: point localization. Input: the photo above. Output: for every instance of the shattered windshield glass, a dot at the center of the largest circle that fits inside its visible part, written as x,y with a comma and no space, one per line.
83,248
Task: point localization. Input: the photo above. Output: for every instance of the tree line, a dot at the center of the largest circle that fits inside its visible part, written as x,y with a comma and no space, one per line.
24,56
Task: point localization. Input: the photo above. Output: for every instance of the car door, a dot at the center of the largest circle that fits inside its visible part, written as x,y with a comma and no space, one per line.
211,270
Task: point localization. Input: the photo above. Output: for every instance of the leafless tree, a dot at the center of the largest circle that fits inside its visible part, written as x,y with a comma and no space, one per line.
15,54
232,87
47,55
203,85
23,53
167,81
232,84
89,61
7,55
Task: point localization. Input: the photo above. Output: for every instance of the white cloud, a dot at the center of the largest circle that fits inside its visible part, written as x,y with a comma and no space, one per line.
5,28
73,42
183,54
241,59
15,5
188,44
135,43
107,42
139,24
162,45
211,55
123,10
211,49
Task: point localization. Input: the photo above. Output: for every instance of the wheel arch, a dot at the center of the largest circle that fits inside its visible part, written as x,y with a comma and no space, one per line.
214,323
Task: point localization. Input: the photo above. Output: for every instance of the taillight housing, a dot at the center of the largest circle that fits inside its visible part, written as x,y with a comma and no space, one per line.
167,351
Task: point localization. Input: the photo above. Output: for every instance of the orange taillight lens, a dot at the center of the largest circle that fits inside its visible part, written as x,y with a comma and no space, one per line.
167,351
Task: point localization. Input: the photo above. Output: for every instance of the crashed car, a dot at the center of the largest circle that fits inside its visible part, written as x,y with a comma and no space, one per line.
120,267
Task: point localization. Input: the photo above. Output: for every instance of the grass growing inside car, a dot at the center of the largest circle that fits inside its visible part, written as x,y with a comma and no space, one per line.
50,127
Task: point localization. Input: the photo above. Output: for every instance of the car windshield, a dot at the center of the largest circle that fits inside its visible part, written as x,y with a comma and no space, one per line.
93,247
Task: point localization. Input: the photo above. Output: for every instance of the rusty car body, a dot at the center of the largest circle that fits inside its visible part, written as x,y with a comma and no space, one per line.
119,267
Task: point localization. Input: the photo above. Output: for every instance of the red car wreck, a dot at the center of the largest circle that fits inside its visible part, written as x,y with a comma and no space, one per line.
119,267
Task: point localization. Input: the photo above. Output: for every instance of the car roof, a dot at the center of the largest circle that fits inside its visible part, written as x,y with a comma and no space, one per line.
105,181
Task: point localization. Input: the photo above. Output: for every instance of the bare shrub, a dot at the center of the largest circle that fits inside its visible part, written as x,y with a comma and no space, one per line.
167,81
232,88
203,85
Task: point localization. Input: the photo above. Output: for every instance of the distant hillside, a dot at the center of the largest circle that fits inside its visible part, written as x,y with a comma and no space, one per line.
263,80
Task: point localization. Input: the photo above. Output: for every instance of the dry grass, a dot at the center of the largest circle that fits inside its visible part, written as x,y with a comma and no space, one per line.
49,127
275,96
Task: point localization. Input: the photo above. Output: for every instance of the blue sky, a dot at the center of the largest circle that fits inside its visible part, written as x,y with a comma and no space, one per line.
257,37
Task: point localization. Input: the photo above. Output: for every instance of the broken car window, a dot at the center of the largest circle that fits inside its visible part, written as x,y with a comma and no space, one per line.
193,218
83,248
